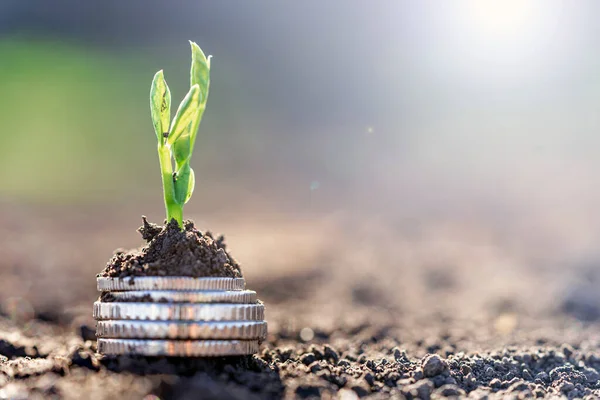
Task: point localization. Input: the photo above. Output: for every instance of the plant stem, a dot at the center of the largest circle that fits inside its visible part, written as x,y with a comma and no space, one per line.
174,210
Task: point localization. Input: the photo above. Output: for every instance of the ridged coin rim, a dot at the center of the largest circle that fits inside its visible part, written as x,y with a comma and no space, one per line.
178,348
196,296
178,312
181,330
169,283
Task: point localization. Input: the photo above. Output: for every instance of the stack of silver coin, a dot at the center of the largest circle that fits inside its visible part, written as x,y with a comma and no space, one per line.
178,316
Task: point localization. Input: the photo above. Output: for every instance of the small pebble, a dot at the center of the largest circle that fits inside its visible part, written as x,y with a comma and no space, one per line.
567,350
315,367
449,391
418,374
465,369
370,378
433,365
330,354
308,358
399,355
421,389
567,387
542,376
591,374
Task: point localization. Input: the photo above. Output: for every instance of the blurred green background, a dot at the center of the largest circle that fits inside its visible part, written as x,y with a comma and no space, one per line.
70,121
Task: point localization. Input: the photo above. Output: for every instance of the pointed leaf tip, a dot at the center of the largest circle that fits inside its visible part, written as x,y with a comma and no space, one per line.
200,71
196,50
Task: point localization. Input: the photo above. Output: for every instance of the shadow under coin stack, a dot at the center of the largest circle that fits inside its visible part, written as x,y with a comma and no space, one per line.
178,316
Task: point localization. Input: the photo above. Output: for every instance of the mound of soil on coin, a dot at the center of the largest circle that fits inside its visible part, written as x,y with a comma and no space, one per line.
171,251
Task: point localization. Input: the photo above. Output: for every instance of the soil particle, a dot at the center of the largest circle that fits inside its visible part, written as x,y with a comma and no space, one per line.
171,251
330,354
420,389
84,359
433,365
308,359
86,332
12,350
9,350
449,391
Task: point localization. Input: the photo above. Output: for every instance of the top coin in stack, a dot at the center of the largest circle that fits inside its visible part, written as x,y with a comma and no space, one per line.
169,283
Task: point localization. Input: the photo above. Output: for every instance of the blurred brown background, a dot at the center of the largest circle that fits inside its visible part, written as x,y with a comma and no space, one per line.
451,149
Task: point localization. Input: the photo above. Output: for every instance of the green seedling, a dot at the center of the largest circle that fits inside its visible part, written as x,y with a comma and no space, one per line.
176,137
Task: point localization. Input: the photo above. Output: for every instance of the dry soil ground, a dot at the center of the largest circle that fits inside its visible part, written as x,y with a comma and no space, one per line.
356,308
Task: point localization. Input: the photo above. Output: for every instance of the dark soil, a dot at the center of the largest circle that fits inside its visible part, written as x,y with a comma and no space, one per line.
372,314
365,361
171,251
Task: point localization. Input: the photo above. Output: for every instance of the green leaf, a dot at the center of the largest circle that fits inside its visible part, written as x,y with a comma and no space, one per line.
200,71
160,105
184,145
184,184
185,114
199,75
191,185
182,149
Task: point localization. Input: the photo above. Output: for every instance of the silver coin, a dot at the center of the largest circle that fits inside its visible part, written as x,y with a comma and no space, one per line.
178,348
169,283
196,296
181,330
179,312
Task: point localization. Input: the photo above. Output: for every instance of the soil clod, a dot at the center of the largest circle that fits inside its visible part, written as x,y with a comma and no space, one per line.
171,251
433,365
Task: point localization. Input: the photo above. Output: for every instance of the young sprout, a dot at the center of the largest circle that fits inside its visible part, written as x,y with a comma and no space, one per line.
176,138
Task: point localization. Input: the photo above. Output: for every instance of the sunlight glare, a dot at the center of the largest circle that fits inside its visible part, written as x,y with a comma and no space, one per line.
503,42
504,19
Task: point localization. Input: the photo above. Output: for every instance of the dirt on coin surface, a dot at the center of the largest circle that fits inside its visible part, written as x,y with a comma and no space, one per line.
368,312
